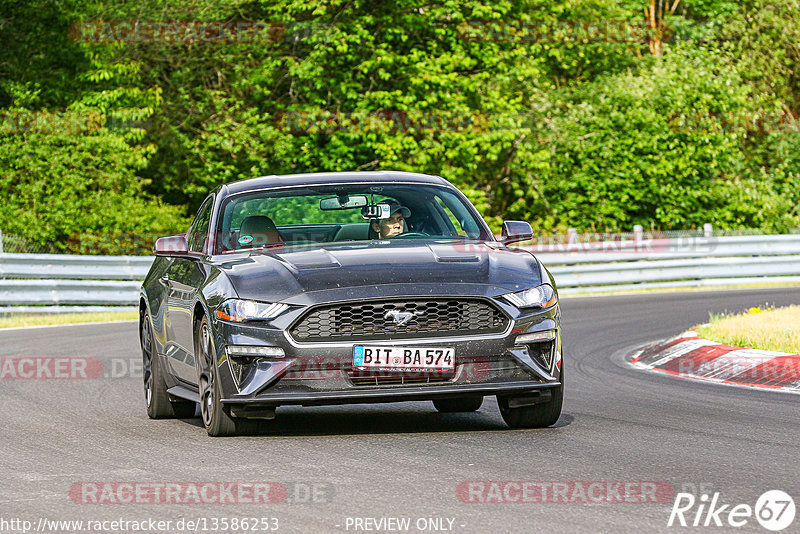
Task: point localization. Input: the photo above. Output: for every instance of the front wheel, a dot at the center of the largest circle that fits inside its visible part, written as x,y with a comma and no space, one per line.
216,419
159,404
535,416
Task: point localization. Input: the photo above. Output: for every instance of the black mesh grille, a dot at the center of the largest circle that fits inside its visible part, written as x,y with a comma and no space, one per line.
399,380
385,320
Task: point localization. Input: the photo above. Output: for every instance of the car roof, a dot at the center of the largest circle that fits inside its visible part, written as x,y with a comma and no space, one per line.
322,178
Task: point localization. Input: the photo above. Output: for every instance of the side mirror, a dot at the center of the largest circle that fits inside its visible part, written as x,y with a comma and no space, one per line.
514,231
174,245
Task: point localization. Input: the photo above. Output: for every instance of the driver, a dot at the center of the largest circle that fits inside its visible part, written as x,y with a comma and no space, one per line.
395,224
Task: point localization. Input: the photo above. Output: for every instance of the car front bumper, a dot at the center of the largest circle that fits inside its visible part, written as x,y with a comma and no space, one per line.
323,374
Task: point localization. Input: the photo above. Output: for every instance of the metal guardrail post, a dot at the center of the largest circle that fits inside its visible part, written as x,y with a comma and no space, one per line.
1,241
572,236
708,230
638,235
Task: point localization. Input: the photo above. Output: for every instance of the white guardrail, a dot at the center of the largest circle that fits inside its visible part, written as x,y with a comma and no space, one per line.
61,282
670,263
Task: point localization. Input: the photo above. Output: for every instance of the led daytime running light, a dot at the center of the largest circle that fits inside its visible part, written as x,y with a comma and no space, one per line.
242,350
533,337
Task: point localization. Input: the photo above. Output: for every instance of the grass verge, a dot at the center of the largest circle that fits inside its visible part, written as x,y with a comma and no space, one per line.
770,329
32,319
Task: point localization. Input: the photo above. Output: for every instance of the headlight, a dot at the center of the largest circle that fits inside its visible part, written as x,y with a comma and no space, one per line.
536,297
249,310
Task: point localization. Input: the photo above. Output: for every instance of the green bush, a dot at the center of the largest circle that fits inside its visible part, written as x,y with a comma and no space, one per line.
665,147
80,193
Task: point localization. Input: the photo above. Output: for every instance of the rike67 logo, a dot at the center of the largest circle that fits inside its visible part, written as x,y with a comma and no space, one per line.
774,510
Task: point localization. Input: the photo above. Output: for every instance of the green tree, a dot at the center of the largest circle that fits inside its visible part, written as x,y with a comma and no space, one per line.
665,147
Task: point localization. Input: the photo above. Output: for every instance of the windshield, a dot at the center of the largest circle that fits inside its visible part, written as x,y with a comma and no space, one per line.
342,213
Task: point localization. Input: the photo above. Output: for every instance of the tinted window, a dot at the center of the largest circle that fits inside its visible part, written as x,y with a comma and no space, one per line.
294,215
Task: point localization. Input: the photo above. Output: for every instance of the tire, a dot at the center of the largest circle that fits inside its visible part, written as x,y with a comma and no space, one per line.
216,418
536,416
462,404
159,403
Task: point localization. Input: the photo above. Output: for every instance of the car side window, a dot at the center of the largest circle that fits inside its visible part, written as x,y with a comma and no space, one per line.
456,224
462,221
198,232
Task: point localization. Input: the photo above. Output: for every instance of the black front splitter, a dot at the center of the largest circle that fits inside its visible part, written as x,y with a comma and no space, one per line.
395,394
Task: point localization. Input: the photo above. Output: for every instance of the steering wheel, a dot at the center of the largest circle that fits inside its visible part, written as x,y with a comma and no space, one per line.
411,234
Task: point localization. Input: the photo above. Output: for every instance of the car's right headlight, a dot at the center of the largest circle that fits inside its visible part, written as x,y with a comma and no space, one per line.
239,310
541,296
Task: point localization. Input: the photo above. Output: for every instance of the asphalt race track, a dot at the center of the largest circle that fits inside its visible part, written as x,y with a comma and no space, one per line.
346,468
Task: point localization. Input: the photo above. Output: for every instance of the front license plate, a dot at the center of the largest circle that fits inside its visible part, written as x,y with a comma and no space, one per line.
404,358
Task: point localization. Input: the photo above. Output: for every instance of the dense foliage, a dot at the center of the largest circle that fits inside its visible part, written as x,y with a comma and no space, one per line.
594,115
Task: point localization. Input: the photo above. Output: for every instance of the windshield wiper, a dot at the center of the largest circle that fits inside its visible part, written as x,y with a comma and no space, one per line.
265,246
254,249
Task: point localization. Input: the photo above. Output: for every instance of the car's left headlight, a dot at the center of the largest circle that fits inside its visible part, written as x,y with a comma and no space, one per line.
541,296
239,310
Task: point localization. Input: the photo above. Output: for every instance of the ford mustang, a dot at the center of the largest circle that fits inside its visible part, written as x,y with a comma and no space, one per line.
334,288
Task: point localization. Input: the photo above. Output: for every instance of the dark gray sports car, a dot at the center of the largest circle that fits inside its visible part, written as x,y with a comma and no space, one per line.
335,288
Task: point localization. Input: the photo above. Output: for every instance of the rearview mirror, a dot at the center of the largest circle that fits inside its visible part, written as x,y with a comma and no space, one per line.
343,202
514,231
174,245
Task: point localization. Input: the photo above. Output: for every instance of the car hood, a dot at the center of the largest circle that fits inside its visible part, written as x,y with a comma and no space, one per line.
278,273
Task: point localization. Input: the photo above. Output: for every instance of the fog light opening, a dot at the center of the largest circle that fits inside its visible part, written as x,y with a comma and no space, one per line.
243,357
541,347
